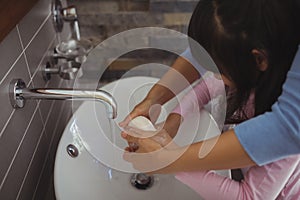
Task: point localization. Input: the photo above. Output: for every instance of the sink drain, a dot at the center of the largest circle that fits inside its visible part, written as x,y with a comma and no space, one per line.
142,181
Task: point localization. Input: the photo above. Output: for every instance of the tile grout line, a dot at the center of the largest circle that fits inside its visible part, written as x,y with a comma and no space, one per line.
18,58
5,76
40,63
51,141
27,66
12,66
5,125
15,155
36,71
30,163
38,30
19,35
39,110
26,61
48,152
48,116
41,116
50,110
36,109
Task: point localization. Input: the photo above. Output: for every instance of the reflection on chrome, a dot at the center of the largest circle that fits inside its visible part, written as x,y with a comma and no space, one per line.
19,93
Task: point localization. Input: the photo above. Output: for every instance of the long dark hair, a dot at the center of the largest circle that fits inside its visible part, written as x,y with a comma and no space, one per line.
230,29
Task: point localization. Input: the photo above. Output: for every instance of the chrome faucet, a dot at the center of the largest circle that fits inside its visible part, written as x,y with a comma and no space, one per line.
68,55
68,14
19,94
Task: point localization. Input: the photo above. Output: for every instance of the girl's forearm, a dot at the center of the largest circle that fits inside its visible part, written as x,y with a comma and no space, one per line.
180,75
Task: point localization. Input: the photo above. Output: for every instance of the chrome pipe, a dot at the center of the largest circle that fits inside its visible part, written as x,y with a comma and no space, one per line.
19,94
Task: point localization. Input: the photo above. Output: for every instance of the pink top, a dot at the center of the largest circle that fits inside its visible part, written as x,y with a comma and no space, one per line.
202,93
277,180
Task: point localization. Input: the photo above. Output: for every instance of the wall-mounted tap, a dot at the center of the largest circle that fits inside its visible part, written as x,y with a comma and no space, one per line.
68,70
68,14
71,52
67,58
19,94
75,46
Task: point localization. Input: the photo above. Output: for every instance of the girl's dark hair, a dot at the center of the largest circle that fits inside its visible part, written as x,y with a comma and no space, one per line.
230,29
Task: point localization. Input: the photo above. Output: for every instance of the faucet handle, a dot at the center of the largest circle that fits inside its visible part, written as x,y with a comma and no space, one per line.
58,20
69,13
60,14
68,70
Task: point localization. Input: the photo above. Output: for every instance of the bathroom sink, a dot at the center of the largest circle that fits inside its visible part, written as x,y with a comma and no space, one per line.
93,167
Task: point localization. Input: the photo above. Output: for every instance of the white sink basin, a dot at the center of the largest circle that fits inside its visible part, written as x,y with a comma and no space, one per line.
88,176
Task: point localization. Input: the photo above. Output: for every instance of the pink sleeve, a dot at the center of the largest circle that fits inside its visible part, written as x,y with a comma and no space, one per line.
263,182
201,94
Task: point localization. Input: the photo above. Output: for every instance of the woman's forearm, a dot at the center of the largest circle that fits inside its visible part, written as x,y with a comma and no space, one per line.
227,153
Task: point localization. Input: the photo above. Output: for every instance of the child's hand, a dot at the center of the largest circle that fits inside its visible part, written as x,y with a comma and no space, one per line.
143,161
166,130
145,108
134,135
154,152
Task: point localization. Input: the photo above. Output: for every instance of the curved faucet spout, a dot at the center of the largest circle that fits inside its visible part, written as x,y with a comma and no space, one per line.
71,94
19,93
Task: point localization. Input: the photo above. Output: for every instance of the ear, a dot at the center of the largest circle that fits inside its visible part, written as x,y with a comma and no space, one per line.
261,59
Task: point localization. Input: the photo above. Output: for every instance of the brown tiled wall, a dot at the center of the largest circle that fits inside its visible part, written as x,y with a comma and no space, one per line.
29,136
100,19
104,18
